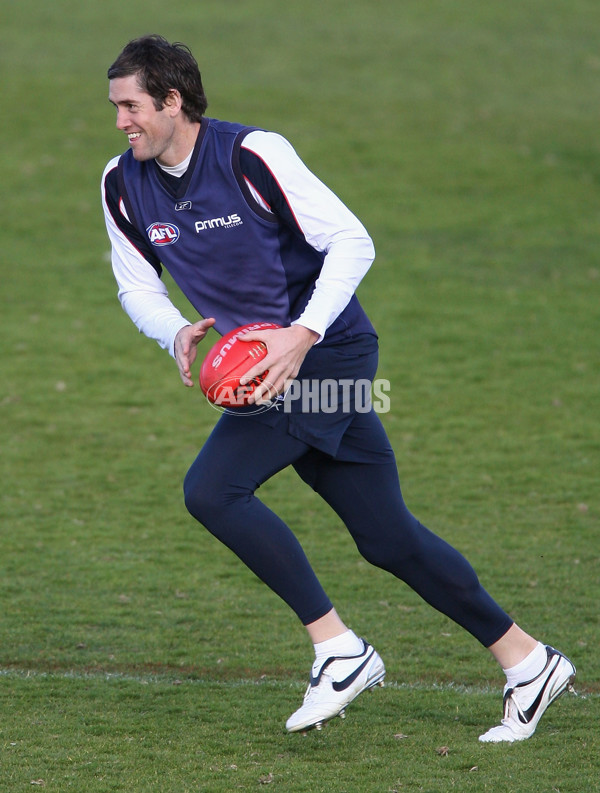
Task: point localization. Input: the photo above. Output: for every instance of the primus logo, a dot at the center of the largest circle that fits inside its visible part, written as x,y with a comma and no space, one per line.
219,223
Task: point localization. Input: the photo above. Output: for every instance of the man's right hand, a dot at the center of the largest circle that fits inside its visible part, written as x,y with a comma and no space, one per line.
186,343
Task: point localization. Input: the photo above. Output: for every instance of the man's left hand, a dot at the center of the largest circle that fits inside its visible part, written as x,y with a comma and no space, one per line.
286,349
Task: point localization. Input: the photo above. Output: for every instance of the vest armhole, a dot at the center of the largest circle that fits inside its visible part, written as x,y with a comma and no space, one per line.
125,196
136,230
239,176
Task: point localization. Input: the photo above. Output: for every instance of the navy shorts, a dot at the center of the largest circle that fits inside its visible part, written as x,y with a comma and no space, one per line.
328,406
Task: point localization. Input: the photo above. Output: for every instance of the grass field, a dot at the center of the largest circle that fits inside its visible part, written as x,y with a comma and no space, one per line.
136,654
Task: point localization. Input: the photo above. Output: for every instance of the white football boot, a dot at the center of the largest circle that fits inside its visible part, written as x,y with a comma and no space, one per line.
333,685
525,703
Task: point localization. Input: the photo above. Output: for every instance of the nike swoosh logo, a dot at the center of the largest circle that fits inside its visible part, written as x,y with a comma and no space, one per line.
341,685
528,714
314,681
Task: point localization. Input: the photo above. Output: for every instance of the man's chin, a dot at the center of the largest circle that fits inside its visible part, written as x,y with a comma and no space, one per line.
140,156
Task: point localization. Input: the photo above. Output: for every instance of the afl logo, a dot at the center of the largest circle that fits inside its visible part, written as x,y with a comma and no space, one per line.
162,234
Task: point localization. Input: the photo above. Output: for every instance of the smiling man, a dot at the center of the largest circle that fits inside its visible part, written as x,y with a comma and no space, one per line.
251,235
156,130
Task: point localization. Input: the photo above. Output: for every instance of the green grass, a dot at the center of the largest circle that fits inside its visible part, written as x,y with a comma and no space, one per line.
157,734
132,645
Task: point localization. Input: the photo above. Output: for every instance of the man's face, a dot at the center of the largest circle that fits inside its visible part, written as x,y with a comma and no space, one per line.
151,132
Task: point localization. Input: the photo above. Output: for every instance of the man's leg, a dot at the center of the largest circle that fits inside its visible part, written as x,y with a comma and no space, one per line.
219,489
367,497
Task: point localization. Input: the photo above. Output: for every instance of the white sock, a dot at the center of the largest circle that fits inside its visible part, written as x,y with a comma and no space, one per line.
528,668
346,643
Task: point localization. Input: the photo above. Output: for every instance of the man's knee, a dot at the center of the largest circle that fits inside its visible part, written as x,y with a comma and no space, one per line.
395,546
195,496
211,499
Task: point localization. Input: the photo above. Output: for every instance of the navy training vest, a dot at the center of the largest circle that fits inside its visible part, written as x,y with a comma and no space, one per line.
232,260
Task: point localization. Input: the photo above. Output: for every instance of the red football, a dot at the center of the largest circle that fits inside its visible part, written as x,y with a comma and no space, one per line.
228,361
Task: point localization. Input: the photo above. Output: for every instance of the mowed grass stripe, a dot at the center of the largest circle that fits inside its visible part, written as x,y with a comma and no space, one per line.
147,735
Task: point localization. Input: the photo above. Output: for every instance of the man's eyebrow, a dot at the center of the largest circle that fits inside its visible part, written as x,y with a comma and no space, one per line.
123,102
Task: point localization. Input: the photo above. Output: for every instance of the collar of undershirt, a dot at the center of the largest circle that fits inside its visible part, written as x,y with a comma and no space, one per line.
179,169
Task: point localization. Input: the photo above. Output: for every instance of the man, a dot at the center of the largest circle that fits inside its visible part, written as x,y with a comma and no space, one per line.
251,235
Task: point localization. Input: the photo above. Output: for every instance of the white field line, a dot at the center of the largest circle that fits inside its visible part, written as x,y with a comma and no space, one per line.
172,679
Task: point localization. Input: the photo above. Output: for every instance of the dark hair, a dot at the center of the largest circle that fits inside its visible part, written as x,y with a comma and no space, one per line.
161,67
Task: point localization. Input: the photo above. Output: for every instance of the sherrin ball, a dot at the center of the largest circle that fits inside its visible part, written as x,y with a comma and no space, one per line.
227,362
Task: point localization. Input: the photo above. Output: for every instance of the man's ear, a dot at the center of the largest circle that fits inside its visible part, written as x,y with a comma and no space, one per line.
173,101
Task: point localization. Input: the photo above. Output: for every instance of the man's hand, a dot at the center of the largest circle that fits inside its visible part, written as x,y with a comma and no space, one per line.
286,349
186,344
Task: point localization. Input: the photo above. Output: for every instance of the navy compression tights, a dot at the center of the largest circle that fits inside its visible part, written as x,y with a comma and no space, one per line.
241,454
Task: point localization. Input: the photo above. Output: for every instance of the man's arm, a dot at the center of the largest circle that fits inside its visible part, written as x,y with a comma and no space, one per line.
140,290
281,183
